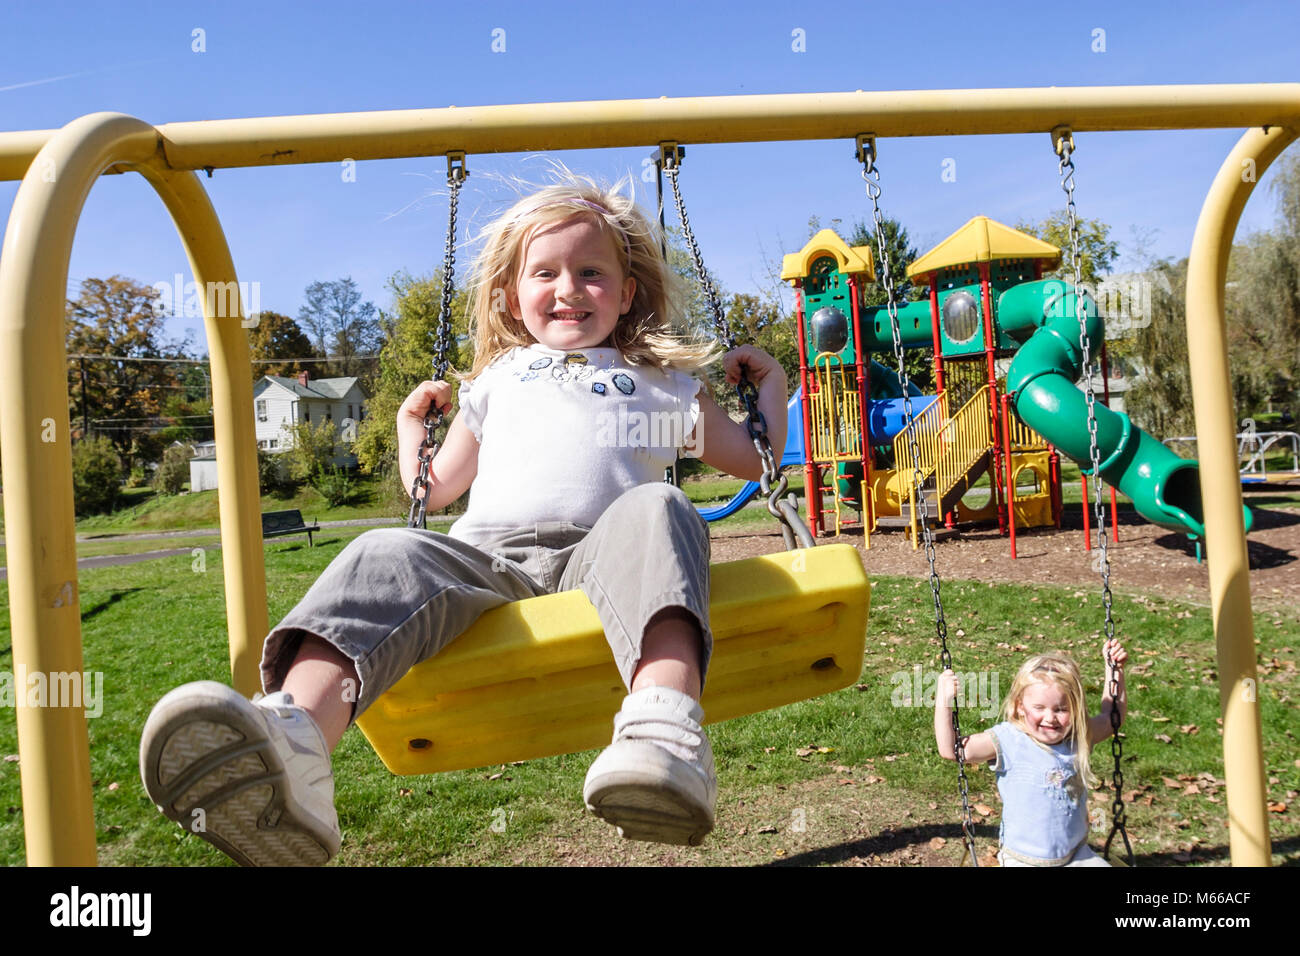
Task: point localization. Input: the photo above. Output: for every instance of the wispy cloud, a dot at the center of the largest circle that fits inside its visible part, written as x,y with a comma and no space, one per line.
73,76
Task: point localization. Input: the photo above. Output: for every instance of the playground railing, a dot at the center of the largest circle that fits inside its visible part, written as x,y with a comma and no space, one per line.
965,437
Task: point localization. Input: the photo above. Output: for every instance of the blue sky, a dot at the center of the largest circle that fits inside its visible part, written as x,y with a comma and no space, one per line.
290,226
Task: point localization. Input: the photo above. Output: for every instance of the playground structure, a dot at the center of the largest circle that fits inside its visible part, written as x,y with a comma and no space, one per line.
987,301
59,167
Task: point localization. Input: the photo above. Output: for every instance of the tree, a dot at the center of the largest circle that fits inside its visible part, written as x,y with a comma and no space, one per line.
96,475
277,336
918,363
118,316
341,326
404,362
1097,251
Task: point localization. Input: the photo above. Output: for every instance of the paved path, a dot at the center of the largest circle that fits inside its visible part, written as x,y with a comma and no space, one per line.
107,560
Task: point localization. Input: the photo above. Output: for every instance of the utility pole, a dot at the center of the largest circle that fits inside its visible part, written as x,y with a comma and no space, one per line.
85,423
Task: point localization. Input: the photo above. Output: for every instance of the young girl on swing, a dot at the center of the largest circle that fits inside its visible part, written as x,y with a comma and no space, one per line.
1040,755
572,308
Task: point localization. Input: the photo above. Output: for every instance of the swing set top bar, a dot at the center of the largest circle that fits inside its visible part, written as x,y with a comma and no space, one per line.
603,124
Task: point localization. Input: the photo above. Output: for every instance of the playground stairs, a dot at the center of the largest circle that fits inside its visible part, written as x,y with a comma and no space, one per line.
954,453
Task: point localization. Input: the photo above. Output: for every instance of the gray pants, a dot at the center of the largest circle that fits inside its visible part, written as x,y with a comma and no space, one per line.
397,596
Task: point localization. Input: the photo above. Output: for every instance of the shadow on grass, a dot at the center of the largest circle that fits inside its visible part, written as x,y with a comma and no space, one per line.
108,602
889,840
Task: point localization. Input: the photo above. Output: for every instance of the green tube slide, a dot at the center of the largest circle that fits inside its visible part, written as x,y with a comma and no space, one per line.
1166,489
914,327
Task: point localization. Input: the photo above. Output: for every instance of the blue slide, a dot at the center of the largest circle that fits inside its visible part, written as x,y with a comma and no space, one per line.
793,455
886,418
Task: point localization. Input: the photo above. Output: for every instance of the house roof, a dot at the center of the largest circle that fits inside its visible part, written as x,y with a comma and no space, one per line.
327,388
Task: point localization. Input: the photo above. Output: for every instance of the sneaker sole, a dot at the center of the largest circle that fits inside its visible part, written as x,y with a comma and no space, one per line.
203,750
648,809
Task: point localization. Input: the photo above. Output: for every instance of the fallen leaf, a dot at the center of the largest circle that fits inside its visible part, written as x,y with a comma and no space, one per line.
845,780
1189,728
805,751
743,830
768,750
767,829
862,687
13,758
874,779
1164,738
840,768
1161,720
937,843
983,810
1171,783
404,792
496,776
114,785
934,806
1277,808
1192,790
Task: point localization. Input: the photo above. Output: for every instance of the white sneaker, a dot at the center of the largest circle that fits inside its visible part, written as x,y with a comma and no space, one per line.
656,780
253,779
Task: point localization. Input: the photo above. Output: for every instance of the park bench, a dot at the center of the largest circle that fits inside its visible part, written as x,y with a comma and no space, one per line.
277,523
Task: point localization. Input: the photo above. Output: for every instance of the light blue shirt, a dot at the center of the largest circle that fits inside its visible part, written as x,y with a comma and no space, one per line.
1044,800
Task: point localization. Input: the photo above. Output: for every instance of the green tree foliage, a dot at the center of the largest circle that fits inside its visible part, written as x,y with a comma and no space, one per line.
1097,251
404,362
174,470
1262,307
277,336
96,475
343,327
919,363
1154,356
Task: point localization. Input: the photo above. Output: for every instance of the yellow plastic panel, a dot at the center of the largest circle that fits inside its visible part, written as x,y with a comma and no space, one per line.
982,240
536,678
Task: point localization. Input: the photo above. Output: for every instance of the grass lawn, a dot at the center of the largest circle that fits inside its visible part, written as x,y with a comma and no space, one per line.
845,768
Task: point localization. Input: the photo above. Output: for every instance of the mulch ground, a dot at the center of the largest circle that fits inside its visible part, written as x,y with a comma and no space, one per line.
1146,559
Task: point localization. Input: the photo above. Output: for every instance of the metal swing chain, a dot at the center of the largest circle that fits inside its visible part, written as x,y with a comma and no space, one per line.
456,174
781,503
1063,143
866,154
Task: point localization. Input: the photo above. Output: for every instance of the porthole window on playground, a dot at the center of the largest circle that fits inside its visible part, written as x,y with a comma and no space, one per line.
961,317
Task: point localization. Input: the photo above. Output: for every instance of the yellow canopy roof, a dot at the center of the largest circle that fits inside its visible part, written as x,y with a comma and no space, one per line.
852,261
983,240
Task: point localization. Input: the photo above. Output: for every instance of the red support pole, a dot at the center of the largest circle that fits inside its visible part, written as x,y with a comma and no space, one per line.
1087,530
990,347
1011,478
864,398
811,475
934,329
1054,478
1105,381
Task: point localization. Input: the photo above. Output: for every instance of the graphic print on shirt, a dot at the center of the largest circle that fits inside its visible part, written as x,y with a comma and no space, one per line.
1065,785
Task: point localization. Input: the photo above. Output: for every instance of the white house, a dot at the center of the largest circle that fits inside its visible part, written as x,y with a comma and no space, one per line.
279,401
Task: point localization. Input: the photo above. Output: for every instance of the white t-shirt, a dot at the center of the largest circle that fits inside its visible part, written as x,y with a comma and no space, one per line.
563,434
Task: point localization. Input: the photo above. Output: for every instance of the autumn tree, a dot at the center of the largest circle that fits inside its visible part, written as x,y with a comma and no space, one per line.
277,336
121,397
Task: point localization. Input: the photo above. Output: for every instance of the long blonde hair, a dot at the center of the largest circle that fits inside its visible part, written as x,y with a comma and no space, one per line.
1059,668
644,335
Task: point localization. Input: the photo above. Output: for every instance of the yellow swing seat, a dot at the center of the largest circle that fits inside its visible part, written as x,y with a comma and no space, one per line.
536,678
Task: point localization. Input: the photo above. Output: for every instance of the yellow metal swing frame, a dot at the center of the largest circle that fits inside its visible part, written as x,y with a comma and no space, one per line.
59,167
